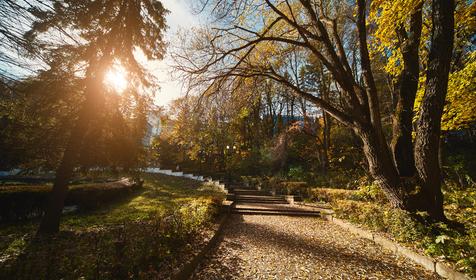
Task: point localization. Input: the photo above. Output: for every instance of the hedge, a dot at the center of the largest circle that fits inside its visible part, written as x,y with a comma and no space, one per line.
23,202
295,188
365,208
278,184
331,195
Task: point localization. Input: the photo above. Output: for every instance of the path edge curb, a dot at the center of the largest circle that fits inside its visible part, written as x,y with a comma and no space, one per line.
426,262
189,268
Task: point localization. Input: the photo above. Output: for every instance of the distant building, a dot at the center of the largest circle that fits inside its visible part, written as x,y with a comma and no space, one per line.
284,121
154,128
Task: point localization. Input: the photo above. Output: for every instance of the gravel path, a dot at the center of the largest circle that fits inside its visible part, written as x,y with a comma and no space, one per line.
280,247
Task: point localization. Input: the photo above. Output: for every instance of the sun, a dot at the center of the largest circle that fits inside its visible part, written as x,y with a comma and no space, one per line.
116,78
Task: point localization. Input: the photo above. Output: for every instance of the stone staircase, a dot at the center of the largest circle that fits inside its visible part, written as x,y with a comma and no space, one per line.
247,201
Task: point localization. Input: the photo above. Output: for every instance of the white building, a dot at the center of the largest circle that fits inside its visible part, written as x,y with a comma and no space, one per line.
154,127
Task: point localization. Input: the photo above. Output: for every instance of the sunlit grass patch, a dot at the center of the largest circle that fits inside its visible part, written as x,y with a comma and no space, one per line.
151,226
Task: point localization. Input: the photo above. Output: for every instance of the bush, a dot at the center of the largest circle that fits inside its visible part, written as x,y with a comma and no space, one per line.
370,192
295,188
91,196
398,223
364,207
297,173
255,182
340,179
246,180
23,202
331,195
273,182
145,249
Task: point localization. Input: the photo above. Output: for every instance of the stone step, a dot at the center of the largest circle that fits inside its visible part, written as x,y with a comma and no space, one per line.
276,210
262,197
259,198
259,202
275,213
251,193
247,190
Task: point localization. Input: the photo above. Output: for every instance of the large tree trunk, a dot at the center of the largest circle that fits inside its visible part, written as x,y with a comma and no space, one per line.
431,109
402,146
51,220
326,141
381,167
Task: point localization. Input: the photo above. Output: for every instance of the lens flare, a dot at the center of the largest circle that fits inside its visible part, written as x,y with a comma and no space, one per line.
116,78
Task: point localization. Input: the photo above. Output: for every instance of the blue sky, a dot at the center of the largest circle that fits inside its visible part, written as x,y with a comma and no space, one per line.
180,17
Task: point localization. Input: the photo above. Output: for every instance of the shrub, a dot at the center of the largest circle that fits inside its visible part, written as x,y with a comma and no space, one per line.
23,202
297,173
145,249
255,182
261,182
273,182
436,239
330,195
295,188
91,196
370,192
246,180
20,202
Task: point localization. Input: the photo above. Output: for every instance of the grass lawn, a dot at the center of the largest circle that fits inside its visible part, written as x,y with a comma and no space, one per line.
140,236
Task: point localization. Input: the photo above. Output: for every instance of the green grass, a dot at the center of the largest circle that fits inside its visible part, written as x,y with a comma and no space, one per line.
160,195
154,224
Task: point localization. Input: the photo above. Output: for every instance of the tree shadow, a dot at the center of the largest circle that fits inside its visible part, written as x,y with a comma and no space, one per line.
334,256
212,266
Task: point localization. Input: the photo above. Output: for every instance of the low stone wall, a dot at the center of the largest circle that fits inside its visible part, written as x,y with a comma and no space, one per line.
188,176
189,268
428,263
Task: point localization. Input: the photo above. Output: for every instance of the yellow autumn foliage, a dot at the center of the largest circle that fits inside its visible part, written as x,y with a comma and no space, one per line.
387,15
460,106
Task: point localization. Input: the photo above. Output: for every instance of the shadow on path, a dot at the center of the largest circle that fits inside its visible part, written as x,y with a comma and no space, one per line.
256,247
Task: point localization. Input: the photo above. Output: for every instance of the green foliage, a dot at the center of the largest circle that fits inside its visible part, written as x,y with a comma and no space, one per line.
295,188
274,182
331,195
22,202
297,173
370,192
144,236
459,168
165,153
460,108
38,112
436,239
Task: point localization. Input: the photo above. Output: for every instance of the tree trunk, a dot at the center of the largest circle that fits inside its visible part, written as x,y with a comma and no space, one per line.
401,144
431,109
326,139
381,167
51,220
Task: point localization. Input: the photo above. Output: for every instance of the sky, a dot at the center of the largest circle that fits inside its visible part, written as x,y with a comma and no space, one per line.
180,17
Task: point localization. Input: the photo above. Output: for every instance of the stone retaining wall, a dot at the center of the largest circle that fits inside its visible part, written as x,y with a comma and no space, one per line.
188,268
188,176
428,263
